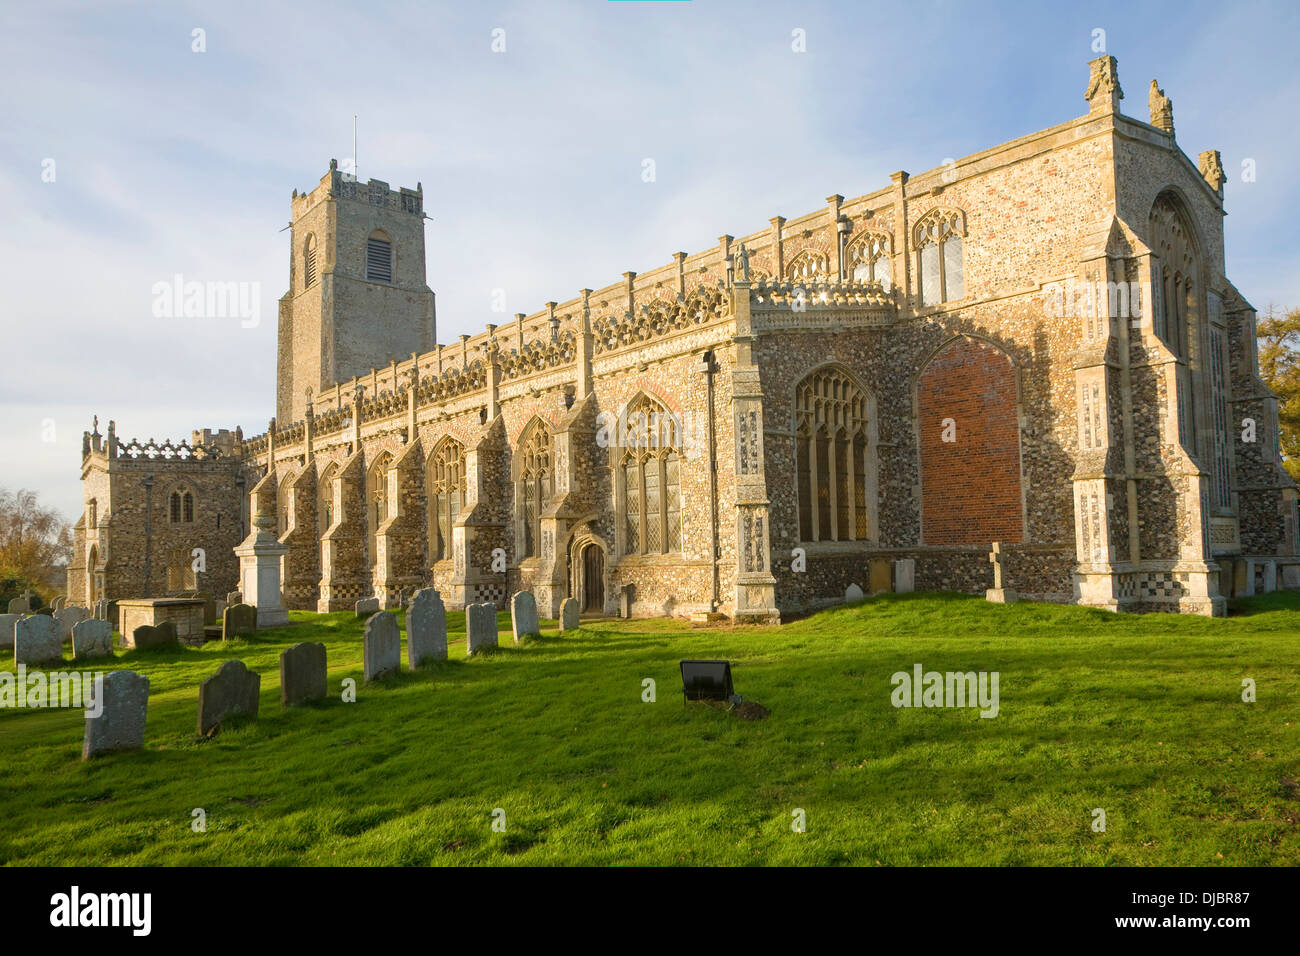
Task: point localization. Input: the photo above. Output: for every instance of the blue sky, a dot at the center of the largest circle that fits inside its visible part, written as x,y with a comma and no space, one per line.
169,161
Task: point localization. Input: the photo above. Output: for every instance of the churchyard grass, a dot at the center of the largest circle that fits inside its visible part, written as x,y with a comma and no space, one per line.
1141,716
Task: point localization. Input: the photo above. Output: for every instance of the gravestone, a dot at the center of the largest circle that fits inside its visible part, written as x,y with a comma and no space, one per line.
92,638
59,603
1269,569
36,641
234,597
238,620
626,600
7,622
302,674
67,618
426,628
382,646
523,615
232,690
999,594
100,610
569,614
878,576
123,699
21,604
480,627
367,607
905,575
853,593
147,637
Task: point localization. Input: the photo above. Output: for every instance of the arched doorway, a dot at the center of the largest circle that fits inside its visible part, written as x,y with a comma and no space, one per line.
593,579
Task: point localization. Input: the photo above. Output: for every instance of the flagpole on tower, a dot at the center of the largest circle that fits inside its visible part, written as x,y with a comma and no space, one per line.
354,145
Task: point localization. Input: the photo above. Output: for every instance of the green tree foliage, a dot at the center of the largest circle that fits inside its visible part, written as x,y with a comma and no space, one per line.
34,542
1279,366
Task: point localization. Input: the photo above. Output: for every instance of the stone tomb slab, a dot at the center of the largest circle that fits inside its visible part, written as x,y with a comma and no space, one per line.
480,627
523,615
36,641
569,614
382,646
302,674
123,697
426,628
92,638
185,615
233,690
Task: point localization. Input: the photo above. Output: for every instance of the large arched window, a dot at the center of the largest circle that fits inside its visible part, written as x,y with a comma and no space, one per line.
379,257
534,484
866,258
834,460
938,241
309,262
1171,241
446,484
649,474
180,506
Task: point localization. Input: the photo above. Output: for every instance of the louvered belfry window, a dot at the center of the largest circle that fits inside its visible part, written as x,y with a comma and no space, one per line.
309,272
379,260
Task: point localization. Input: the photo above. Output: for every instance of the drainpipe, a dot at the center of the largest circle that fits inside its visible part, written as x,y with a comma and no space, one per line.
707,368
148,535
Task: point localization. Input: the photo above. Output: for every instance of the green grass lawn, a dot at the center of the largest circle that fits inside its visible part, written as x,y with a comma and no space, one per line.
1141,716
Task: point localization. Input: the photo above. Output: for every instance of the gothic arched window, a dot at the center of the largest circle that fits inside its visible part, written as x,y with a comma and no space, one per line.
377,504
1171,241
649,471
325,500
867,258
446,486
834,460
180,506
938,240
534,485
309,262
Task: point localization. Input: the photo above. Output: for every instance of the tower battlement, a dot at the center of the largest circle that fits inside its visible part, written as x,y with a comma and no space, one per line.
336,184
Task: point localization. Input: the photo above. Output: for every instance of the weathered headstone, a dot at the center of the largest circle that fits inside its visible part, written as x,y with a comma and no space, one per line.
853,593
209,608
232,690
123,701
1269,576
905,575
626,600
302,674
523,615
147,637
367,607
480,627
999,594
92,638
36,641
238,620
878,576
47,611
569,614
7,622
21,604
426,628
234,597
67,618
381,646
100,610
59,603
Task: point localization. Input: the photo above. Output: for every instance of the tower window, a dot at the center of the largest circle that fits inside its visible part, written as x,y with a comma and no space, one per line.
309,263
379,260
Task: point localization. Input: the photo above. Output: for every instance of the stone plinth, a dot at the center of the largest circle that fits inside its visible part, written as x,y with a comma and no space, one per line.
259,572
186,615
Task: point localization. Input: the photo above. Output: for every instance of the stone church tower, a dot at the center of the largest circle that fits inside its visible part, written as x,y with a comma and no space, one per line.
357,293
